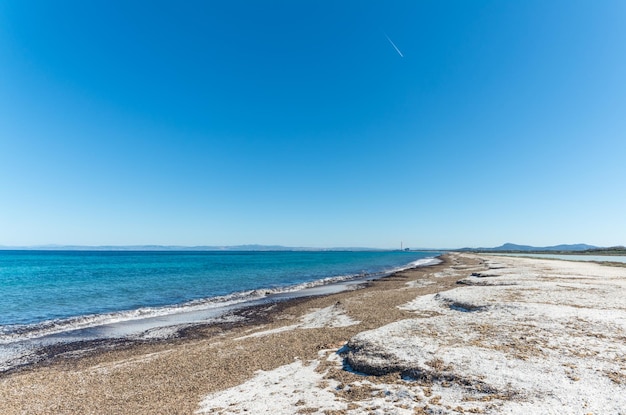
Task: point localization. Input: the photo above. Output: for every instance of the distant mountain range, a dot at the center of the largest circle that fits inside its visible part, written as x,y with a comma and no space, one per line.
176,248
515,247
507,247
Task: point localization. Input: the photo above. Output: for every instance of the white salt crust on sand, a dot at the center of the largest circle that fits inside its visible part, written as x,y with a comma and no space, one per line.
332,316
526,336
302,388
283,390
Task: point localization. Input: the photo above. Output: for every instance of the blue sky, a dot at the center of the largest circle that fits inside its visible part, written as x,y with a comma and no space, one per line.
298,123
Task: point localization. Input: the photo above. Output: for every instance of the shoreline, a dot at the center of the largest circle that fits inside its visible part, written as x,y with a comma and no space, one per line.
41,343
431,338
205,358
45,349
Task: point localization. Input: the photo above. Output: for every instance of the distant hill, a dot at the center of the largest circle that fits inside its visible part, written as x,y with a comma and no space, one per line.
509,247
251,247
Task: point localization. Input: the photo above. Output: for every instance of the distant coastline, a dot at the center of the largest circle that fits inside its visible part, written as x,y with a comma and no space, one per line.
613,251
181,248
575,249
507,248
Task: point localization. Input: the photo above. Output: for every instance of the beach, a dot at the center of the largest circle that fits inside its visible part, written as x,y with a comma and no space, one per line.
474,334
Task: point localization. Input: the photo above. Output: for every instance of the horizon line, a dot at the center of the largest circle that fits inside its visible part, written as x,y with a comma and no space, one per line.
157,247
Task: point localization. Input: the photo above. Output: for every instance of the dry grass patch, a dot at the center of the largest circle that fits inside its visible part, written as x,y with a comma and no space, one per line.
616,377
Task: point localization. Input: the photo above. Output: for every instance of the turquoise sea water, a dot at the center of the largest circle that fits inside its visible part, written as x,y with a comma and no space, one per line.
45,293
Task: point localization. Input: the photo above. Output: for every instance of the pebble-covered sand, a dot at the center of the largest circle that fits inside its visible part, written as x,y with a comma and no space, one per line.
475,334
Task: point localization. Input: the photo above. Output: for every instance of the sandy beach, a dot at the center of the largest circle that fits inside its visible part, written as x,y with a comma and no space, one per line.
475,334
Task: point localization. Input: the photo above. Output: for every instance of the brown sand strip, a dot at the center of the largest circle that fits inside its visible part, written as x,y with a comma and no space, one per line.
172,377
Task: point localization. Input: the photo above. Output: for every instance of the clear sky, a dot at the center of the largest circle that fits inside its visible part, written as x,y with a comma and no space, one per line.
299,123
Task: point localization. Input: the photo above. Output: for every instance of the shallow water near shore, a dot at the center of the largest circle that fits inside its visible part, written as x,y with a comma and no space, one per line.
62,297
572,257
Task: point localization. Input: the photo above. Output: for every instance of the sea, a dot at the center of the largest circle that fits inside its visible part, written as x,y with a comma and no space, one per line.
574,257
49,298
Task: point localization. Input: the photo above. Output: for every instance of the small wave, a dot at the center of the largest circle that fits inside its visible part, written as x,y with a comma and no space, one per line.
21,332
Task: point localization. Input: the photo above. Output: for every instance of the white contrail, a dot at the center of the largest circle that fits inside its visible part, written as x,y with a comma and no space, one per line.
394,46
